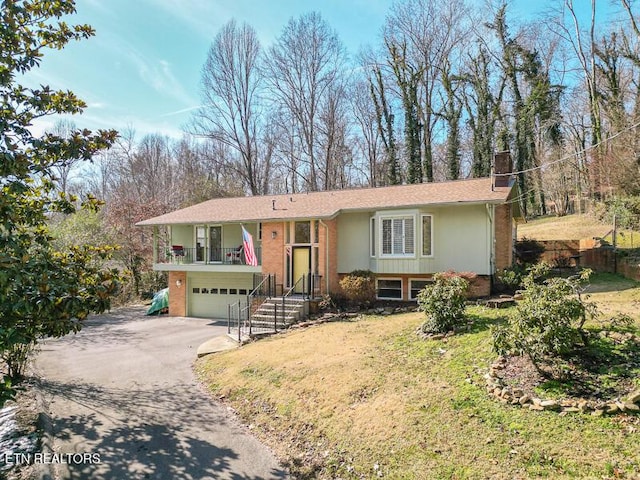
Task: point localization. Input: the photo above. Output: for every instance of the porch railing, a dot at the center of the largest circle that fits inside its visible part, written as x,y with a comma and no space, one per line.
177,255
238,316
308,285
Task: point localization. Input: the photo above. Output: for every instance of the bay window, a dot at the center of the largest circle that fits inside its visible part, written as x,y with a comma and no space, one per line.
398,236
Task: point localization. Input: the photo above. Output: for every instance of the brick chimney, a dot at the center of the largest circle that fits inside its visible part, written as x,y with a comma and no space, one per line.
502,164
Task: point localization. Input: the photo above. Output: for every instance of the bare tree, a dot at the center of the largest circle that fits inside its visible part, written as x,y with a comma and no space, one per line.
432,31
333,125
386,127
367,135
231,90
482,98
304,67
64,129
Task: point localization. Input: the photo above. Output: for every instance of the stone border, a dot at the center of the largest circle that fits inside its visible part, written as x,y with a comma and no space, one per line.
514,396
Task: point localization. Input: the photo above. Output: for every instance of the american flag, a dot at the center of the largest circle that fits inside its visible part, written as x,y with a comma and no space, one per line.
249,252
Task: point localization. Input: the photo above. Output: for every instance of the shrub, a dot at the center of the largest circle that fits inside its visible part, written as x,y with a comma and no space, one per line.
528,251
443,302
359,286
510,279
549,319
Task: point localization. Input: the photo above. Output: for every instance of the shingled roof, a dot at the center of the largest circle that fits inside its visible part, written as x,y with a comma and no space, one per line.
331,203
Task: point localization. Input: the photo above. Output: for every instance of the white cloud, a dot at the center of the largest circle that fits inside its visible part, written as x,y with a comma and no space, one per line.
181,111
159,76
202,16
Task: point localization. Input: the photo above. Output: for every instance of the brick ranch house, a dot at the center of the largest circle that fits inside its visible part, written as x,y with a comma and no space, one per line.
404,234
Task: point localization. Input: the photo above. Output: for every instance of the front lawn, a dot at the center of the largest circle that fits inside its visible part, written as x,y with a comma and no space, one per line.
368,398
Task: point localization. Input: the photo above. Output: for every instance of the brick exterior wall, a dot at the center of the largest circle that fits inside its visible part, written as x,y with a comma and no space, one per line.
273,250
480,286
555,250
177,294
273,260
503,225
329,234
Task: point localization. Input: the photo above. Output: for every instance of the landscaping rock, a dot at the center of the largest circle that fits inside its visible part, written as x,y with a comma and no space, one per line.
634,397
524,399
550,404
495,386
500,302
611,408
571,410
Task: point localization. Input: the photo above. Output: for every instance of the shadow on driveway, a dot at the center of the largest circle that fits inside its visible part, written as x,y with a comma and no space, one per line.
137,436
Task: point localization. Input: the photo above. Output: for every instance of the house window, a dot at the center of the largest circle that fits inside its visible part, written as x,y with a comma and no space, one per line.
196,290
416,286
302,232
373,237
233,291
201,241
390,289
213,291
242,291
427,235
398,236
223,291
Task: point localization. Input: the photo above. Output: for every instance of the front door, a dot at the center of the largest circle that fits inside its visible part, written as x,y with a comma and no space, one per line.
301,266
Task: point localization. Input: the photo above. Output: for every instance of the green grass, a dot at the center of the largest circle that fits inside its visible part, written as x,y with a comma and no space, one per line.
357,399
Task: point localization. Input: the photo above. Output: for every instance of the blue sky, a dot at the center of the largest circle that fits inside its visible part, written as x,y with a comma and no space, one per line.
142,68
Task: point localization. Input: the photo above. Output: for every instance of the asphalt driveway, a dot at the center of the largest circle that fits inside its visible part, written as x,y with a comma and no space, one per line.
122,393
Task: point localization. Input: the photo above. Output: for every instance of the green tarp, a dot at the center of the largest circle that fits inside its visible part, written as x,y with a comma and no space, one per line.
160,302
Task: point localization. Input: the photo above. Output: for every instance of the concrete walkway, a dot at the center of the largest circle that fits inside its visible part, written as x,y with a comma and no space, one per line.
219,343
122,392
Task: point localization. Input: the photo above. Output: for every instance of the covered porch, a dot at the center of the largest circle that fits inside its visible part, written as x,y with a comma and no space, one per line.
208,245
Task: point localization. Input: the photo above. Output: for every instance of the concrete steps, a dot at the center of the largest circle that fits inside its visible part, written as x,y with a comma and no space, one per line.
280,312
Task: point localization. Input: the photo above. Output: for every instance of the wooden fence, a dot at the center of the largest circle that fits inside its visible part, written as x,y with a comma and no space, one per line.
592,254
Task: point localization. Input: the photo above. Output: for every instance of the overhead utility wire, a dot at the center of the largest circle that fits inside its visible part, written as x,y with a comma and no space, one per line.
568,157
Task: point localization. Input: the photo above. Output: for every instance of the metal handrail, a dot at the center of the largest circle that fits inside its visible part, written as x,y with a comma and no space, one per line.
178,254
253,292
290,291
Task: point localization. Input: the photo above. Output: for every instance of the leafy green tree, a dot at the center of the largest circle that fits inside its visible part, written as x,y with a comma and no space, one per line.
43,291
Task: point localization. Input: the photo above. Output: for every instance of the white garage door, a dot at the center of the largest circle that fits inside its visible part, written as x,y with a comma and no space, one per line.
209,294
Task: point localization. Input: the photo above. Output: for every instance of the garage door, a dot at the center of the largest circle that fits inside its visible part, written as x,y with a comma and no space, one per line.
209,294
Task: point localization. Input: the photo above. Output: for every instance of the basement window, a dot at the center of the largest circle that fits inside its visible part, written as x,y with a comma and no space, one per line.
389,289
416,286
